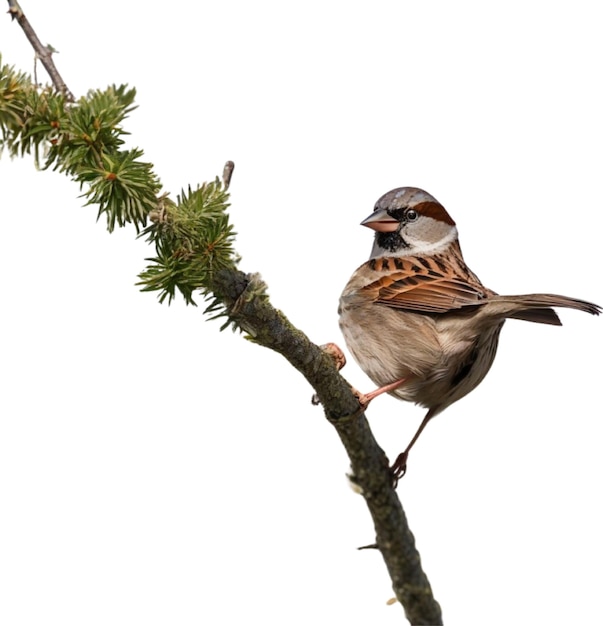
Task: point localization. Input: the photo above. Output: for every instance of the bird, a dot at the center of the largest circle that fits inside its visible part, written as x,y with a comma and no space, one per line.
417,320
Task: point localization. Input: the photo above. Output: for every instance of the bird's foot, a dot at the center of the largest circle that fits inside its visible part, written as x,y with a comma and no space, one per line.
398,469
336,353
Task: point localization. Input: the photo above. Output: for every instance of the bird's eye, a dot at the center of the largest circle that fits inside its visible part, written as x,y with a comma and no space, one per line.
411,215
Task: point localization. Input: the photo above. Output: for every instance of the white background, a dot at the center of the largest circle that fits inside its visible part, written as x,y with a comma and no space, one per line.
155,471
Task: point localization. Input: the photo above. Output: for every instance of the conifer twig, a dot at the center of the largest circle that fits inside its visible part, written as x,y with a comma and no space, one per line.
44,53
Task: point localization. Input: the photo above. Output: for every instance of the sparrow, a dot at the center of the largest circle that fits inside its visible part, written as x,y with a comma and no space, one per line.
417,320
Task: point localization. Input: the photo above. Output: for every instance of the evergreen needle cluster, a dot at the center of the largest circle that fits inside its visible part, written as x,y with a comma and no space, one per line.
193,237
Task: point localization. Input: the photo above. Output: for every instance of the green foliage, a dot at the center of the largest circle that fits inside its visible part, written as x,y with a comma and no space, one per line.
124,188
13,86
83,140
91,129
193,237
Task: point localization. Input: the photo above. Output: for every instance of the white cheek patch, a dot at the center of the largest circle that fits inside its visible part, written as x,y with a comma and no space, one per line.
430,240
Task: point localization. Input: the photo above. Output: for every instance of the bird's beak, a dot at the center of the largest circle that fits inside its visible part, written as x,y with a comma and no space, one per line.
381,222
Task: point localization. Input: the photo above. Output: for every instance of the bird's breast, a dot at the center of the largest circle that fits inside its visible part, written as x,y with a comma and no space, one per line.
445,356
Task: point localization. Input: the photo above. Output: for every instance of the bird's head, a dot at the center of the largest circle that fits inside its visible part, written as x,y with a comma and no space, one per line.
409,221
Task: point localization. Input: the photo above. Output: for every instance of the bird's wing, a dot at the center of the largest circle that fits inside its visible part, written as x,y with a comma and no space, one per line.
424,284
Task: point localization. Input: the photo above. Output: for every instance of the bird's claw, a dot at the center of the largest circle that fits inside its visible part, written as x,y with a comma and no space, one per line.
363,398
398,469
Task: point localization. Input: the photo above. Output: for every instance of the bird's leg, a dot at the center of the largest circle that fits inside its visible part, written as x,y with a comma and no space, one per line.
398,469
335,352
364,399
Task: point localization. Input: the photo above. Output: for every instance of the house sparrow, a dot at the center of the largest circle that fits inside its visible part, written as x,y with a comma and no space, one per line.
417,320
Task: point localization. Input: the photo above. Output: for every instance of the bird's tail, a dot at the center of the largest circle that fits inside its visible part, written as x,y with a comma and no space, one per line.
535,307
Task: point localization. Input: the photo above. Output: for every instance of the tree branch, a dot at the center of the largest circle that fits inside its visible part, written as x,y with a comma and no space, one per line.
270,328
247,305
44,53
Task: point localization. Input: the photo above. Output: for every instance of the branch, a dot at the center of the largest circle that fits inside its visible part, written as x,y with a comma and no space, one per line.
44,53
193,239
242,295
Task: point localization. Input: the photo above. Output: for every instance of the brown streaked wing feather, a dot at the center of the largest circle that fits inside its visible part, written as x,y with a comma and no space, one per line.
423,285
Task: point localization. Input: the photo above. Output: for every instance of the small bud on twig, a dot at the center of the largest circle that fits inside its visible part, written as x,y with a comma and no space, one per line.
227,174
